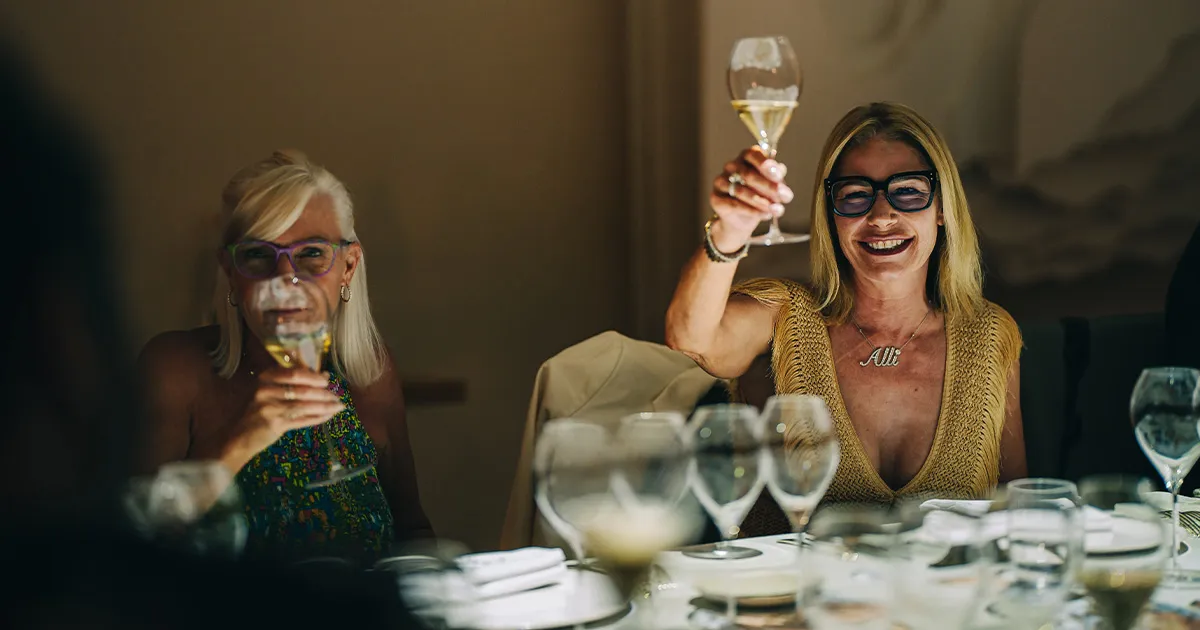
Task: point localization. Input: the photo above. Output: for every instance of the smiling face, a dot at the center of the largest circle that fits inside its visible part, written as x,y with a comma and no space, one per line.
886,244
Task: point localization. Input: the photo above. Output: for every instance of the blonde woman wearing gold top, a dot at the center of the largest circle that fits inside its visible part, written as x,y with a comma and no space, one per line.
920,371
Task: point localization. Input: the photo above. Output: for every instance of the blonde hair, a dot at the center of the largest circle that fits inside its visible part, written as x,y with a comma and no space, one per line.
261,202
955,281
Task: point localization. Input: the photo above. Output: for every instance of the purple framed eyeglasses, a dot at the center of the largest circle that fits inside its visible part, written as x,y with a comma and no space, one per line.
260,259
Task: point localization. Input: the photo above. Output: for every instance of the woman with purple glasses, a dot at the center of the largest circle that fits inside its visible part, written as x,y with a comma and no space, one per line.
919,371
216,394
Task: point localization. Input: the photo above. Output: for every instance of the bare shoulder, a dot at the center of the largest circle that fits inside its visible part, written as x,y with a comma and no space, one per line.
179,358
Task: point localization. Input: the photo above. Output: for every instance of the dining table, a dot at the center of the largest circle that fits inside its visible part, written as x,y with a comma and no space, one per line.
688,592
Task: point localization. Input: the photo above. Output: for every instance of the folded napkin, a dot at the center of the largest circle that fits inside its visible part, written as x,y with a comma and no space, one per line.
505,572
488,575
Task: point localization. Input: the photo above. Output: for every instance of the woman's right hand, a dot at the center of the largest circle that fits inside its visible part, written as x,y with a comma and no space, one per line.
759,199
285,399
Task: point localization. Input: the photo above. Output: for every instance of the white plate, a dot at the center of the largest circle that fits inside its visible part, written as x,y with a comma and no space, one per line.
585,596
1127,535
1123,535
756,587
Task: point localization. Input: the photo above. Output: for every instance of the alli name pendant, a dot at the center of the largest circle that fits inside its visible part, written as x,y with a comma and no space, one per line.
887,356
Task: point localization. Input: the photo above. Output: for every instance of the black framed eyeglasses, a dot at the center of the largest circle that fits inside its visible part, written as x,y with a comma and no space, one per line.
260,259
911,191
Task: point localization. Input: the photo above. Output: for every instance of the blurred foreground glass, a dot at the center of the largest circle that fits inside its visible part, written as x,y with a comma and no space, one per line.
431,583
800,454
193,505
1120,583
943,562
1044,544
571,471
847,572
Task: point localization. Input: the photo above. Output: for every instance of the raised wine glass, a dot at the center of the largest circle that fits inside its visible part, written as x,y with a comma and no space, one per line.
1164,415
764,85
296,326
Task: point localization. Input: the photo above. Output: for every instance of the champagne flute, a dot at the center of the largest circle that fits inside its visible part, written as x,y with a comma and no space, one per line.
725,473
764,85
800,454
1164,415
572,480
296,323
1121,584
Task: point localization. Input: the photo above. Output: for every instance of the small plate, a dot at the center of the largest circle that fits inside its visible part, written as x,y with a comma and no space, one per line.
759,588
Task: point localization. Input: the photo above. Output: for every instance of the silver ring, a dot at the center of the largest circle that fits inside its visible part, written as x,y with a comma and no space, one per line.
288,393
735,180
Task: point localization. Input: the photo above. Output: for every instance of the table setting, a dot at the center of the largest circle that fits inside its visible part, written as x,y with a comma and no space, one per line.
629,499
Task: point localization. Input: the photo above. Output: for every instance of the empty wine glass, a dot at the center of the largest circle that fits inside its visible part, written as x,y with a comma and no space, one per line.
1121,583
296,324
725,472
1044,534
847,572
570,464
764,85
1163,408
800,454
943,562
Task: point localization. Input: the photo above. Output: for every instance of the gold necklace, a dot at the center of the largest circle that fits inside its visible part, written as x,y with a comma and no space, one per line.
887,356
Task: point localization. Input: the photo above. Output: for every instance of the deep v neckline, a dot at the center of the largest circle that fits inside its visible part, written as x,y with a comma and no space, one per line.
858,451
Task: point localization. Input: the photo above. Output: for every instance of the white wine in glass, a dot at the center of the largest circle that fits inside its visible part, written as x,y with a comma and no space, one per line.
764,87
296,322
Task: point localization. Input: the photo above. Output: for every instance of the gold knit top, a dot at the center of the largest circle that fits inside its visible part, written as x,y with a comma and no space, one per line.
964,461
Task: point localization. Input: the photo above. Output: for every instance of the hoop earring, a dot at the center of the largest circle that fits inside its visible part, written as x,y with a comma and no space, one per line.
229,298
345,293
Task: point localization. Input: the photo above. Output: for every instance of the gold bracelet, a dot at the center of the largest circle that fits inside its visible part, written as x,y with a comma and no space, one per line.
717,255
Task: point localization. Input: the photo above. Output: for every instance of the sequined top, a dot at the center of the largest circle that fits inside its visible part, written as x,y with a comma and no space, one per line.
349,519
964,460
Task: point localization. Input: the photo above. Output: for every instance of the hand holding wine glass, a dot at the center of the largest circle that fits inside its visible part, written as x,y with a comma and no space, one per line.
296,328
764,85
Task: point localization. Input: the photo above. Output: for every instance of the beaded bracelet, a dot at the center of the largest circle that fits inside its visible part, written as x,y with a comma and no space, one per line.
717,255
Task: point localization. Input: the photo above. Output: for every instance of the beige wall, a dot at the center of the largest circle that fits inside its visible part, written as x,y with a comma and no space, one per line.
484,148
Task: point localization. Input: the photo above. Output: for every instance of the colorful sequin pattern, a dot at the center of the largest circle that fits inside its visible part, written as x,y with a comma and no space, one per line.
350,519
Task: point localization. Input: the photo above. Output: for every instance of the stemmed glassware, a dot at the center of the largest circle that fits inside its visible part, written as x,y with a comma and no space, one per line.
943,562
800,454
1044,545
571,468
1121,583
725,472
1163,409
847,573
296,323
764,86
